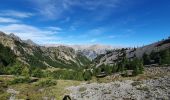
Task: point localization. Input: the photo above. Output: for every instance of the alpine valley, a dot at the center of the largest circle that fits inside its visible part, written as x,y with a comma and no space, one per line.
82,72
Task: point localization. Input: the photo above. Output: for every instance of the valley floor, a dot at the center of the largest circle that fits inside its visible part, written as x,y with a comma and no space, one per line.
154,84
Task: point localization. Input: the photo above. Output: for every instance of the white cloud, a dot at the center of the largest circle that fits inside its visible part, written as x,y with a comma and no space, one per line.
30,32
8,20
54,28
13,13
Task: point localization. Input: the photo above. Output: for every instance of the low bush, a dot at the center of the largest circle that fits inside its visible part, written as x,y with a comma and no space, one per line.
87,75
135,83
37,73
20,80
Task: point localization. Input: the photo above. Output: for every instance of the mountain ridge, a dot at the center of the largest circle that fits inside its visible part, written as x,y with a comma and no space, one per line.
112,56
90,51
40,56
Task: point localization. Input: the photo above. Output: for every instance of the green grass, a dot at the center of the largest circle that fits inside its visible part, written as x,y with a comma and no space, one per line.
45,87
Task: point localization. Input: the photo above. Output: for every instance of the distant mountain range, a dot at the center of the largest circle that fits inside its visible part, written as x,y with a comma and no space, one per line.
90,51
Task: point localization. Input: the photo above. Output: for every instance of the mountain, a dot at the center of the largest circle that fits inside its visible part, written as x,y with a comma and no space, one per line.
13,36
30,42
33,55
112,56
90,51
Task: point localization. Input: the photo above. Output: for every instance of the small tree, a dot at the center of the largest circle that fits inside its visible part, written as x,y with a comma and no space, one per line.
87,75
108,69
16,69
97,71
122,60
25,71
114,68
146,59
165,57
137,66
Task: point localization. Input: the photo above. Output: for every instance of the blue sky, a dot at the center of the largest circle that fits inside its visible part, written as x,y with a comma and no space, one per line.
111,22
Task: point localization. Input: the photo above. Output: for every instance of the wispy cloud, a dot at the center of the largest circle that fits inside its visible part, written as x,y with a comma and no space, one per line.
30,32
51,9
54,28
55,9
17,14
91,4
8,20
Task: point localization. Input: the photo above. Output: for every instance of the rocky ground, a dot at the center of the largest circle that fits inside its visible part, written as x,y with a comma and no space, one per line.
156,87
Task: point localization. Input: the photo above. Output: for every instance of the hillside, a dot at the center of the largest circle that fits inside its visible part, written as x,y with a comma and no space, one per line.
152,49
34,55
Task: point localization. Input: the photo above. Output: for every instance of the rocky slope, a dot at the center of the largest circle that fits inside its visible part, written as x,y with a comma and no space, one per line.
156,88
31,54
90,51
111,57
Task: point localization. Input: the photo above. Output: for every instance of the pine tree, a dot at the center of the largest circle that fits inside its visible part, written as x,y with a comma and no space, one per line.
87,75
108,69
114,68
122,60
146,59
165,57
137,66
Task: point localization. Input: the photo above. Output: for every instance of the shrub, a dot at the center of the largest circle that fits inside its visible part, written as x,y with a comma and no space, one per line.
97,71
136,83
87,75
20,80
37,73
25,71
114,68
146,59
16,69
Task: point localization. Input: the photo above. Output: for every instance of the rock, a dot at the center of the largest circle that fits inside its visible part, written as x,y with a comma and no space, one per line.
124,90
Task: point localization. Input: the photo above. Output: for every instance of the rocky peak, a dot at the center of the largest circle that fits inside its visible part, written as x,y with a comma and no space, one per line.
2,33
30,42
13,36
